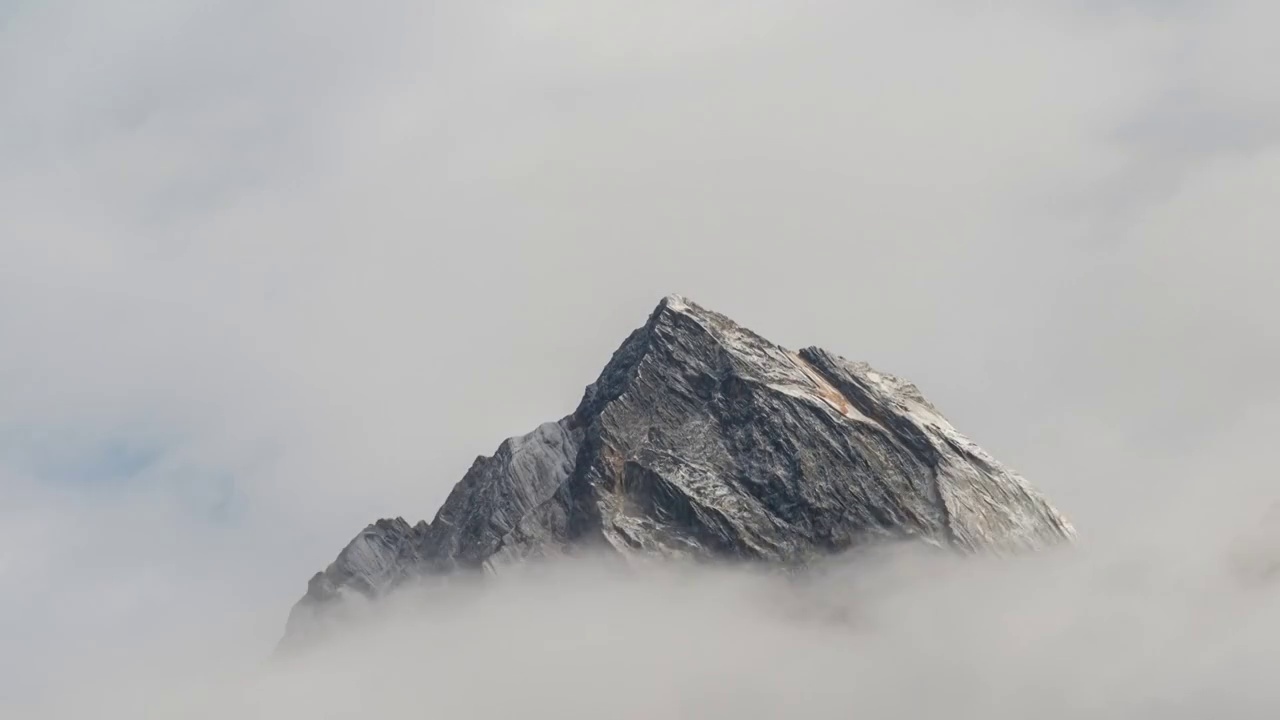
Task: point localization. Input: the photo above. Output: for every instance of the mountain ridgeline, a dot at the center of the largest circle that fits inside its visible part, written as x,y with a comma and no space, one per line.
702,440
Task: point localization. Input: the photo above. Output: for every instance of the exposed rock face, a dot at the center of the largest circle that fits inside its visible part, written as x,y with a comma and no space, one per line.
701,439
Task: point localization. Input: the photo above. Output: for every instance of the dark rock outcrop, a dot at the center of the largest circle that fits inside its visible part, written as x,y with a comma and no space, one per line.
700,439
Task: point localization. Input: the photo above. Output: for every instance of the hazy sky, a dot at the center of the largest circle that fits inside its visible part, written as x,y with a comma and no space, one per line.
272,269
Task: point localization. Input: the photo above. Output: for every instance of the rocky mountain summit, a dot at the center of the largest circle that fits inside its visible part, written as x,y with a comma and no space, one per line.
703,440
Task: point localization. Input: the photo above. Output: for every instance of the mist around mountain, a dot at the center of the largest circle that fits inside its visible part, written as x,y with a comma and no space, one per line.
254,255
1151,631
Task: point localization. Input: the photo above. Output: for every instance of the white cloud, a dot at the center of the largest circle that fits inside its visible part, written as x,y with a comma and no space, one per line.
323,256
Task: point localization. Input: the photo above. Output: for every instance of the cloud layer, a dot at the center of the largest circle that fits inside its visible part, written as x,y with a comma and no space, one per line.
269,270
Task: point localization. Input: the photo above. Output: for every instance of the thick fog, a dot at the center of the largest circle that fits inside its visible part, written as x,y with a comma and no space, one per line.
271,270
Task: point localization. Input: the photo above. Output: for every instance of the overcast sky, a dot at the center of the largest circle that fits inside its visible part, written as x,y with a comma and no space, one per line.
271,269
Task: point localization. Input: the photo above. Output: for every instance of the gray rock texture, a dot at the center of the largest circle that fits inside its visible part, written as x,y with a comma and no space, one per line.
703,440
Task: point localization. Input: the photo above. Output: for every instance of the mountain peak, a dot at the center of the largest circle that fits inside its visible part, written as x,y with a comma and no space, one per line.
674,307
675,301
701,439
